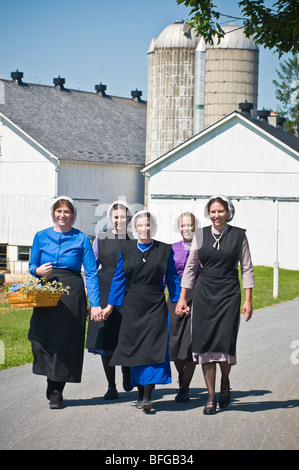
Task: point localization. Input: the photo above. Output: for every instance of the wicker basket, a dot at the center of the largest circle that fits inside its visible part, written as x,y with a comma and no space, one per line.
35,298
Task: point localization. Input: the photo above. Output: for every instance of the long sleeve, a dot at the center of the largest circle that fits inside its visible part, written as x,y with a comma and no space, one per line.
191,269
91,274
118,285
95,249
173,280
246,266
35,261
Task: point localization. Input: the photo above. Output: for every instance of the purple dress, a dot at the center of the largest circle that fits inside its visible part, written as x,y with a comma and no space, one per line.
180,327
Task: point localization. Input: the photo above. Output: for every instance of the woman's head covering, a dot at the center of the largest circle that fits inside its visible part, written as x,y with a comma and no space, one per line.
121,203
67,199
144,213
231,207
177,221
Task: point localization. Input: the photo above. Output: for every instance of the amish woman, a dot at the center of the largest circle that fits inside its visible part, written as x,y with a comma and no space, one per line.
143,337
216,299
102,337
180,326
57,334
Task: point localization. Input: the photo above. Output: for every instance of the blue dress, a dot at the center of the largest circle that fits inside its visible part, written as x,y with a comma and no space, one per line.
57,334
138,286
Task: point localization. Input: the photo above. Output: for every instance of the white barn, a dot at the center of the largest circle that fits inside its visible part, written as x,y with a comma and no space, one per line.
55,141
247,159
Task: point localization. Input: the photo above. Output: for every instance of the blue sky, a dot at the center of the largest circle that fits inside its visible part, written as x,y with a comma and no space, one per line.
92,41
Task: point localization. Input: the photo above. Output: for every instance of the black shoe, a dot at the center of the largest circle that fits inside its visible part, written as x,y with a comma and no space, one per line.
139,404
182,396
210,407
111,394
56,401
147,405
127,384
224,397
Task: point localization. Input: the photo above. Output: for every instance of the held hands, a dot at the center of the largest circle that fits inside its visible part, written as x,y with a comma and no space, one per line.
182,307
99,314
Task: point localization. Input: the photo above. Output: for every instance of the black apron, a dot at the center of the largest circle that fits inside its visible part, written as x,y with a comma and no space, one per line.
180,332
104,335
57,334
217,296
143,334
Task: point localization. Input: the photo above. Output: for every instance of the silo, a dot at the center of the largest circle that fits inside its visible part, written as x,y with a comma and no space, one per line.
231,76
170,89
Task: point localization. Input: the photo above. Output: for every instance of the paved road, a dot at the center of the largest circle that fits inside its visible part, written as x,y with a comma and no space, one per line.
264,413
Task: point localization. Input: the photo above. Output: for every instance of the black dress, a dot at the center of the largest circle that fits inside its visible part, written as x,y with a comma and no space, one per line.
143,335
217,296
102,337
57,334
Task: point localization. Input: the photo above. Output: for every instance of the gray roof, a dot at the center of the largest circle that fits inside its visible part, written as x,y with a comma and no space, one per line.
76,125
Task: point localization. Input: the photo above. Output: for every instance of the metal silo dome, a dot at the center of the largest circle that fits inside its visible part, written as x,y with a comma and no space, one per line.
170,89
234,39
177,35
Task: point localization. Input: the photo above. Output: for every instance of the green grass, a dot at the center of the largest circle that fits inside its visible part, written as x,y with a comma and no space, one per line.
14,323
262,295
14,326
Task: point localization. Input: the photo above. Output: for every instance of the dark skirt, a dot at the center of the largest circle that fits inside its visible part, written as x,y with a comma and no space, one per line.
216,312
144,329
180,334
103,336
57,334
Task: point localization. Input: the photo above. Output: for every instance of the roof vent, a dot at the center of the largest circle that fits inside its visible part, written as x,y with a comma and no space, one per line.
245,107
59,82
263,115
136,95
101,89
17,77
280,121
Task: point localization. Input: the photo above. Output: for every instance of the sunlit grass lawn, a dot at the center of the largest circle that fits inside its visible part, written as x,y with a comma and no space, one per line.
14,323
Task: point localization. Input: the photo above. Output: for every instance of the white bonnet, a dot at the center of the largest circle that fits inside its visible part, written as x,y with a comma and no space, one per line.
154,224
231,207
122,203
68,199
177,221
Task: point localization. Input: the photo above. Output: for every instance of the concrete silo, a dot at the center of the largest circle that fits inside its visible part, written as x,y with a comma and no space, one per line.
225,75
170,100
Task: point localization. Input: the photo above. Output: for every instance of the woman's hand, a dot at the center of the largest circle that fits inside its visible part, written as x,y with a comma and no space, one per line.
44,270
247,307
96,313
182,307
107,311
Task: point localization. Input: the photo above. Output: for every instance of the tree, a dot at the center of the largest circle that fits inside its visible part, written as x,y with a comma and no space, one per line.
287,92
276,27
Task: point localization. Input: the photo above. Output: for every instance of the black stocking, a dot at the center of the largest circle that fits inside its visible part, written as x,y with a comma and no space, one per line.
109,371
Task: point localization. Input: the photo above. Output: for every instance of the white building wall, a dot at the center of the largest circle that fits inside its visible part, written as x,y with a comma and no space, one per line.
31,178
238,162
28,179
95,187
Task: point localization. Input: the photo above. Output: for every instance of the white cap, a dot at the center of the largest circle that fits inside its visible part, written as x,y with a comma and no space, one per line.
231,207
122,203
178,218
154,224
67,199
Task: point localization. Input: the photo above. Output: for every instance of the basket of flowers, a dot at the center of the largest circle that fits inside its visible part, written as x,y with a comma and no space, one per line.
35,293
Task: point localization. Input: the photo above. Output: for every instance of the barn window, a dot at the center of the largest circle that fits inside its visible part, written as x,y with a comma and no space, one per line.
24,253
